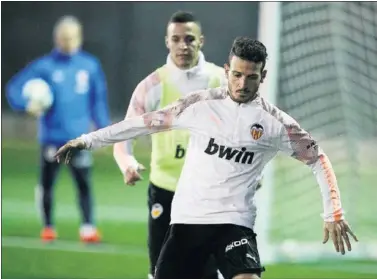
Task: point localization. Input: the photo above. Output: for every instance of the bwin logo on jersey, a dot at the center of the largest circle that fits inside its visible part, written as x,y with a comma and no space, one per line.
237,243
228,153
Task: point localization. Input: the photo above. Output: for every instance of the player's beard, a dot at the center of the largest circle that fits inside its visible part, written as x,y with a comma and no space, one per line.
244,97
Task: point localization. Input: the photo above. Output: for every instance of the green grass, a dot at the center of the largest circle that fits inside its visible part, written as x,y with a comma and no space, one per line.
121,216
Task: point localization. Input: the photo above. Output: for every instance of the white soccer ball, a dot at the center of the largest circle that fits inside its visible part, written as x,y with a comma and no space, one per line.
39,92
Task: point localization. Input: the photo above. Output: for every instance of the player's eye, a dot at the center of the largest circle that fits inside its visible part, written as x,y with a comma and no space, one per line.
236,74
189,39
175,39
253,77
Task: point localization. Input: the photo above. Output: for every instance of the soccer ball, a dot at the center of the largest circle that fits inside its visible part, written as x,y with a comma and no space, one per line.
39,92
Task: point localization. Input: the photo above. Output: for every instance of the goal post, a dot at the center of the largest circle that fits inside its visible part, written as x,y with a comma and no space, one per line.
268,34
322,70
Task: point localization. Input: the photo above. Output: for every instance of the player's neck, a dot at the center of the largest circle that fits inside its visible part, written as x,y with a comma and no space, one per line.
59,52
194,63
252,98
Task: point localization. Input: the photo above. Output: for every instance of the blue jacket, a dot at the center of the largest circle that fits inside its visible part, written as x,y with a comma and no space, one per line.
80,94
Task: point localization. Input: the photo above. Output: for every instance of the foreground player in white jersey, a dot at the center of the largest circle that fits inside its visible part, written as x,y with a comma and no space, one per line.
234,133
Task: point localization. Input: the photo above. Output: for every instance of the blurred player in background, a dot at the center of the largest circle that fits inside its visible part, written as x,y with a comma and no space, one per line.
78,84
186,70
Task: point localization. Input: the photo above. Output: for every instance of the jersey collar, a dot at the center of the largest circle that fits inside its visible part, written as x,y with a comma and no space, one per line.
189,72
256,101
57,53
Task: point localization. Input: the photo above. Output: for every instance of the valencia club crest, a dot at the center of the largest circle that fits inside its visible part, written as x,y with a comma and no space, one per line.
256,131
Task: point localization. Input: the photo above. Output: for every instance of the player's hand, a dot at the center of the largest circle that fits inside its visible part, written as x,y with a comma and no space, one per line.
132,174
66,151
34,109
338,231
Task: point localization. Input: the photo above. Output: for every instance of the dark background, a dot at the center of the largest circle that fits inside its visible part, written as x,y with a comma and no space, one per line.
128,37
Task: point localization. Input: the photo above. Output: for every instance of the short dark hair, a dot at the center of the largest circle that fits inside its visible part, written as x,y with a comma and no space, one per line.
182,17
249,49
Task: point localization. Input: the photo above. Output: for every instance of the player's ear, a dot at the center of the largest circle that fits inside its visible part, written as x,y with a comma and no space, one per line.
264,74
201,41
167,42
226,68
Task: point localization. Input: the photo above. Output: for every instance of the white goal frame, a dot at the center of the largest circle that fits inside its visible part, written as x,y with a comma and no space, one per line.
290,250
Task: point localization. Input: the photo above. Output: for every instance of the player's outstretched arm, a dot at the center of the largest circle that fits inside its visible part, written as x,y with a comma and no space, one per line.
176,116
300,145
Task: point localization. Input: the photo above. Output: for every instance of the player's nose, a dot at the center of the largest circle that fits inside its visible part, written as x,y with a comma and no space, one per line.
182,45
242,83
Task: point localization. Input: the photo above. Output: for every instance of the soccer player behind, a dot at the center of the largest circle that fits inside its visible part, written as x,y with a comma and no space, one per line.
234,134
185,70
80,96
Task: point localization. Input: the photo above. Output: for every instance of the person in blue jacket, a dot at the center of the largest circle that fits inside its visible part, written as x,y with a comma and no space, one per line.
79,89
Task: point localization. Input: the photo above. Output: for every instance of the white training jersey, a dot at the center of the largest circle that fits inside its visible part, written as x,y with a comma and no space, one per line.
230,144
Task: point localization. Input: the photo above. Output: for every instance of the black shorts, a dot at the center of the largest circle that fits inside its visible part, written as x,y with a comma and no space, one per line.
188,247
159,203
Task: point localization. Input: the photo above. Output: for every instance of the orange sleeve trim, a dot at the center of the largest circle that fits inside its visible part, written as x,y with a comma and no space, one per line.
332,184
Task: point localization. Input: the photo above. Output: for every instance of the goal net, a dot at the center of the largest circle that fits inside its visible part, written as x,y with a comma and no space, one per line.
325,55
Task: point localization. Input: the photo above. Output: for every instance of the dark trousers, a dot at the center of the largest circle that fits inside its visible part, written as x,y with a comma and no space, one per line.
80,169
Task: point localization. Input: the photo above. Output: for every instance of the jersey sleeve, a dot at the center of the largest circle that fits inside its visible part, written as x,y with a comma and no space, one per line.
14,86
298,143
144,98
179,115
